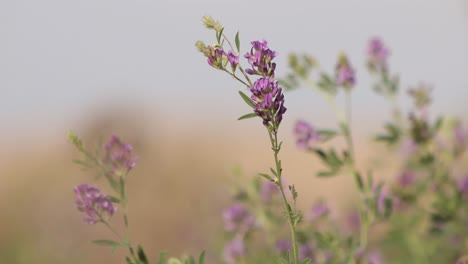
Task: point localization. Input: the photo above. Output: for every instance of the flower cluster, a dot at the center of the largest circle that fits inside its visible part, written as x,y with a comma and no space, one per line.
345,75
260,59
238,219
306,135
268,100
377,55
119,154
96,206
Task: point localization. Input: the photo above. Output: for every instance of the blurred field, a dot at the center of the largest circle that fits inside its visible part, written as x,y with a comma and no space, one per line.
181,182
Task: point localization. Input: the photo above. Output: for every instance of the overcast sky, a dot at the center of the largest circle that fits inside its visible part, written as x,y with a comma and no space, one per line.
60,60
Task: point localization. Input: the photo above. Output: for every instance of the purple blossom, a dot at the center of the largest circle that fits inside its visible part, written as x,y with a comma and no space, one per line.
233,59
96,206
305,251
406,178
120,154
283,245
353,221
377,54
345,74
260,58
462,185
267,191
374,257
268,100
216,57
382,194
234,251
306,135
319,210
237,218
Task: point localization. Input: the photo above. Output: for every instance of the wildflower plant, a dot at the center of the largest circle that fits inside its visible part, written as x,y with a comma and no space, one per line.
418,216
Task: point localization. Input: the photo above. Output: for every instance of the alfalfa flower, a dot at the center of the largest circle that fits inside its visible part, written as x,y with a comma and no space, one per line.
268,100
345,74
238,219
261,58
319,210
119,154
234,251
462,186
377,55
306,135
96,206
233,59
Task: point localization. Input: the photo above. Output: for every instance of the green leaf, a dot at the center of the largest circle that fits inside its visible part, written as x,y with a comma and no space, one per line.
141,255
237,42
201,259
114,199
247,116
246,99
266,176
105,242
327,173
306,261
359,181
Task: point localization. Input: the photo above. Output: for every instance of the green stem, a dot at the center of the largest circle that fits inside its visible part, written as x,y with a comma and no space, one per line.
239,66
274,144
237,78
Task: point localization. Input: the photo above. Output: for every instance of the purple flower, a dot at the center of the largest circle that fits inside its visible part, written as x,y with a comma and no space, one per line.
260,58
268,100
233,59
305,251
96,206
345,75
382,194
119,154
306,135
237,218
353,221
267,191
406,178
377,54
319,210
234,251
216,57
462,185
283,245
374,257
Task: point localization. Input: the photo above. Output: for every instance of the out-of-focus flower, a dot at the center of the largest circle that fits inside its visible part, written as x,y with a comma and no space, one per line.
319,210
305,251
306,135
345,75
406,179
234,251
267,191
377,55
120,154
462,260
237,218
268,100
353,221
96,206
283,245
382,194
460,137
233,59
261,58
374,257
408,147
462,185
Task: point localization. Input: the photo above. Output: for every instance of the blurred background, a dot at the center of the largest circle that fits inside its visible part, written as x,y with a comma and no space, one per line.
130,67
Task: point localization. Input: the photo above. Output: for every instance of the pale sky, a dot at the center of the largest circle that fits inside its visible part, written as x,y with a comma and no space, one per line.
61,60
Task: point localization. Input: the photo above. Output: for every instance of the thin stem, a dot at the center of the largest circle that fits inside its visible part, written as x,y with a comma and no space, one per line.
110,228
239,66
348,123
274,144
237,78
